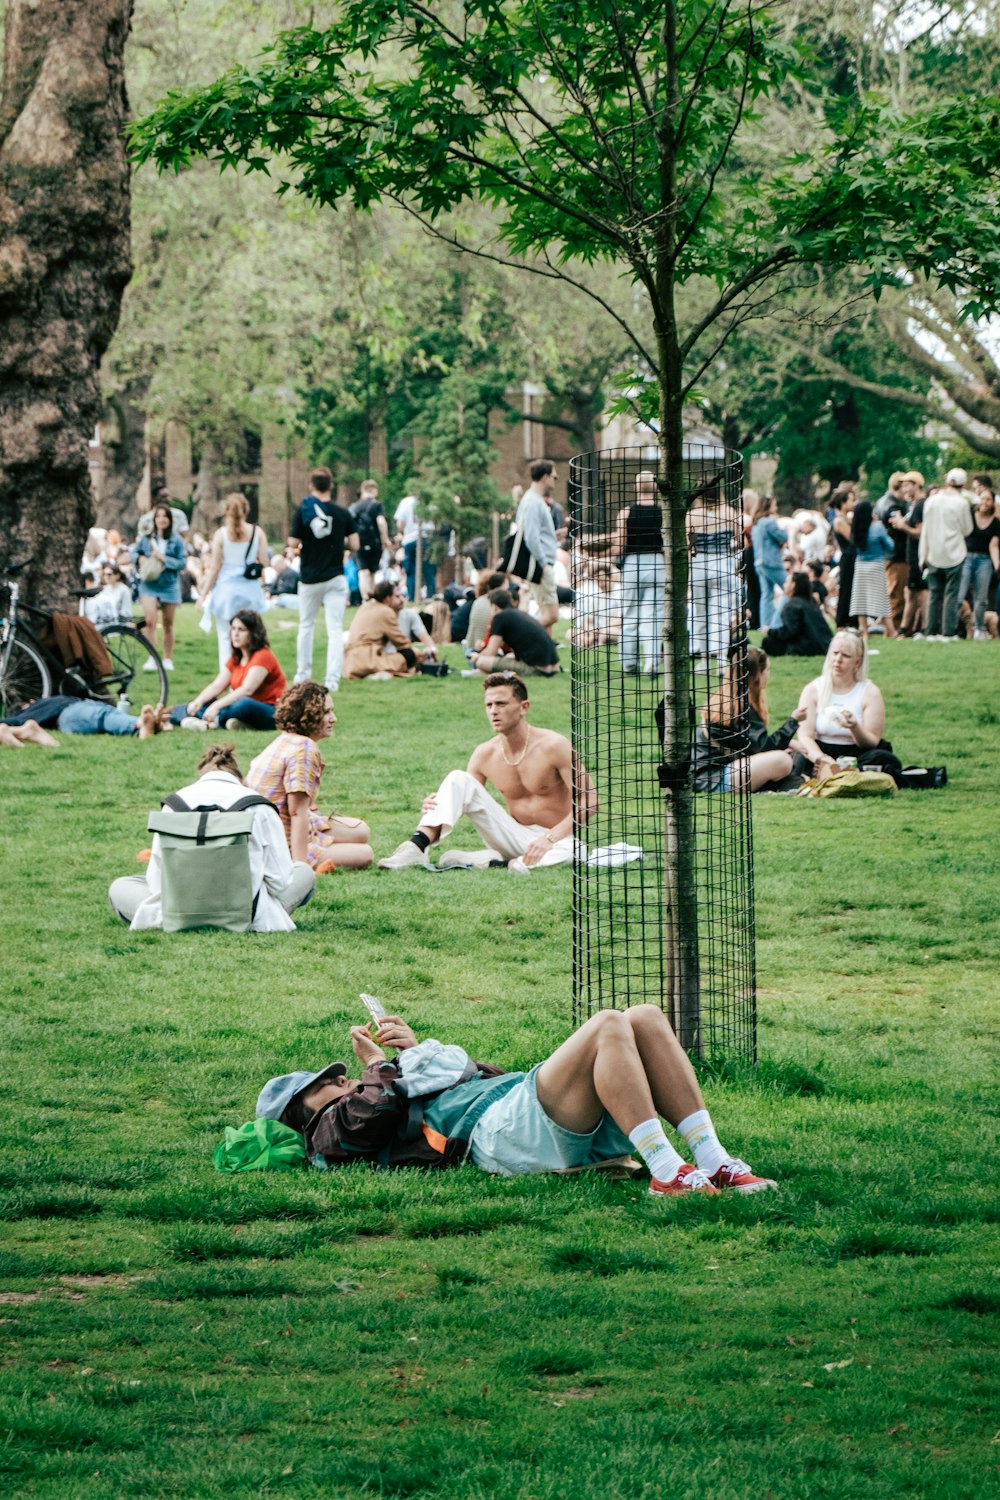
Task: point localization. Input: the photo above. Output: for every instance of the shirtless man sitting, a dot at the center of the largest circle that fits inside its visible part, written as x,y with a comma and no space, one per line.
531,768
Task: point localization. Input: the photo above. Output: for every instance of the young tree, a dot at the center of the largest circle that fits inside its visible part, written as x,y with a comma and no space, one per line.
64,263
623,131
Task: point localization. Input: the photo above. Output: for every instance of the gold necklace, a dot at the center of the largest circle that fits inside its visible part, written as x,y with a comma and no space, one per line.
517,762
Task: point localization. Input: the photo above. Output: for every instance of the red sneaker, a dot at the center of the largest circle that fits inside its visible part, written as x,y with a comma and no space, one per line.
688,1180
738,1178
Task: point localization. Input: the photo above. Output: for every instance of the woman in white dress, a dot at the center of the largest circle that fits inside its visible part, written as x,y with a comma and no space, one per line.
236,548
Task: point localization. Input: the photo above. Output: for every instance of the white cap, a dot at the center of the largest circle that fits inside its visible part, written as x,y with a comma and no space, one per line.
957,477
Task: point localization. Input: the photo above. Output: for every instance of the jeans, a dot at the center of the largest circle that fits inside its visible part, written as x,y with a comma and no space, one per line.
977,570
428,569
332,594
715,599
642,611
769,579
247,710
84,717
943,598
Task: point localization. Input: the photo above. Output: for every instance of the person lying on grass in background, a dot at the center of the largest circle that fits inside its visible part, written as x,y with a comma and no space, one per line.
604,1093
78,716
244,694
531,768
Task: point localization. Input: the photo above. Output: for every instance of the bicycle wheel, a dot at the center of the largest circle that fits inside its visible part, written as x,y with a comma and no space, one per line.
130,652
23,677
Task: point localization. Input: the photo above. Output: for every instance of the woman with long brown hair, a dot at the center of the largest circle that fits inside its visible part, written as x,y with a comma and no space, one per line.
733,750
248,687
160,556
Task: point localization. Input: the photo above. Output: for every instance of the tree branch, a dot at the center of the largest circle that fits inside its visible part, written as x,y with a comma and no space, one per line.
553,273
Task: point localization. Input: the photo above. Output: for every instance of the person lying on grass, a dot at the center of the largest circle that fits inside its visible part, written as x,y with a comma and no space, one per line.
78,716
605,1092
531,768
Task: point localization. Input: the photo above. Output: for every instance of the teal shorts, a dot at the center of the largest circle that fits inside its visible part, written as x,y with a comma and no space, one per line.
515,1135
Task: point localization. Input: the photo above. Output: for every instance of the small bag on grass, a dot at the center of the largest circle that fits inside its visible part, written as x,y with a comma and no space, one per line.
851,783
259,1145
205,864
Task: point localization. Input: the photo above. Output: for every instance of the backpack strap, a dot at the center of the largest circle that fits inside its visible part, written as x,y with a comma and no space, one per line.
252,800
176,804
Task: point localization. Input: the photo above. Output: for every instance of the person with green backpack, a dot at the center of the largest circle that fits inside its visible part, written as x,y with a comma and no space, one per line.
219,859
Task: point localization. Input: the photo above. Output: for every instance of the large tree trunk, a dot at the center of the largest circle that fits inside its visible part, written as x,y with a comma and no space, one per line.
64,263
123,444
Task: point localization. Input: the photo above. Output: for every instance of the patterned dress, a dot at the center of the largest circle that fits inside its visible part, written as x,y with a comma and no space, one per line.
292,763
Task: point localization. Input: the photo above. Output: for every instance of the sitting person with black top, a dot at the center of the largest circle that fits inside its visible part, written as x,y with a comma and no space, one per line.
516,642
733,751
803,631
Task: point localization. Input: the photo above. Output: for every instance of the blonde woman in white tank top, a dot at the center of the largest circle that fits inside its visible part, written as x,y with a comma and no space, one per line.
844,713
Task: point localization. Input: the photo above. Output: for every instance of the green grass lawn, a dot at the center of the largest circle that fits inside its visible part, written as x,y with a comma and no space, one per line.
167,1331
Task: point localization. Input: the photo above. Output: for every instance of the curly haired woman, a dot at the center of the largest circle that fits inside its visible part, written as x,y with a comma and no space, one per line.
288,773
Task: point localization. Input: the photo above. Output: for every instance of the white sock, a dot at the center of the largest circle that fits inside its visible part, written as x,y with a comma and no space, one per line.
656,1151
699,1132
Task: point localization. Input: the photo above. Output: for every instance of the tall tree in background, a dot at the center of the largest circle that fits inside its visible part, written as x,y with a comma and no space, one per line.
64,263
622,131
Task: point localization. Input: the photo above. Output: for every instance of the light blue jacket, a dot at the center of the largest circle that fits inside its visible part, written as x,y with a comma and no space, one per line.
768,539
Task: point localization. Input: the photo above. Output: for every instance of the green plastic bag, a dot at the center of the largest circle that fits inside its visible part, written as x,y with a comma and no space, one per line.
259,1145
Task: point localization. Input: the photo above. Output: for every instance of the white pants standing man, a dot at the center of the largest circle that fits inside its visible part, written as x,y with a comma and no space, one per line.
325,531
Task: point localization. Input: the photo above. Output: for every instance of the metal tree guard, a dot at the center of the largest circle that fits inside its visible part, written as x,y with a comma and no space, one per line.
622,906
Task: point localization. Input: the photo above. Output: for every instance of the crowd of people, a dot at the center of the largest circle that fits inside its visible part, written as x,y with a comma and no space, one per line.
922,562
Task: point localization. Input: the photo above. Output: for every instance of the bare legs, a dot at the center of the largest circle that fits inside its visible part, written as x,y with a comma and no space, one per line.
348,843
169,612
15,737
149,608
626,1063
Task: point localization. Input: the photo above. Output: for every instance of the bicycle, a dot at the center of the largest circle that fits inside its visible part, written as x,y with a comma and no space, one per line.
29,670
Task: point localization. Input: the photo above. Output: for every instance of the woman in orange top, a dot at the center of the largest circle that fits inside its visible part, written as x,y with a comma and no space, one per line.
247,688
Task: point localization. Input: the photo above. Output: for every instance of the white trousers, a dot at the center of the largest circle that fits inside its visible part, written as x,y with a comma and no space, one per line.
714,600
461,793
642,610
333,595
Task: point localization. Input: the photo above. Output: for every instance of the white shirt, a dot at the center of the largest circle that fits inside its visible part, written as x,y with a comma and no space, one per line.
270,861
112,605
947,522
406,520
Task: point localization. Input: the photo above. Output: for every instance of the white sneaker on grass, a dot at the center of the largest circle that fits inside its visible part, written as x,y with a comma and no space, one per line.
191,722
149,666
404,857
168,665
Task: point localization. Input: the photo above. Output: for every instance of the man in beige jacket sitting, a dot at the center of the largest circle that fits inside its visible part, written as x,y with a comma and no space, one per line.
376,626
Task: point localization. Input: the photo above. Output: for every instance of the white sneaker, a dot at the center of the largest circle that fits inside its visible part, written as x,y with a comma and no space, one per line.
980,635
476,859
874,651
471,672
150,666
168,665
190,722
404,856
